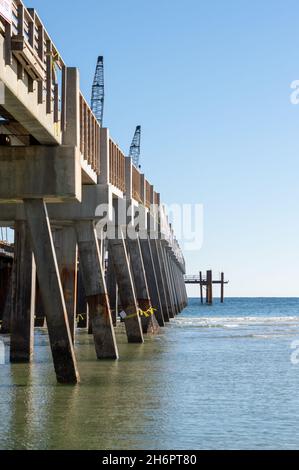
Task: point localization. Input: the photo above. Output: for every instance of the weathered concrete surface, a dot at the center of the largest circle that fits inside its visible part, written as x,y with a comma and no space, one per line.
171,312
23,305
112,290
67,255
96,291
118,252
49,173
152,280
148,318
160,279
23,106
51,291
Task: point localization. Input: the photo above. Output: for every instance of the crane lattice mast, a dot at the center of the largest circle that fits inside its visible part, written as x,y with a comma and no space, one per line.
135,147
98,91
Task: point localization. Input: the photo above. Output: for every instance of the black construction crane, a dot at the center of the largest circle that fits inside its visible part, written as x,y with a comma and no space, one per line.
135,147
98,91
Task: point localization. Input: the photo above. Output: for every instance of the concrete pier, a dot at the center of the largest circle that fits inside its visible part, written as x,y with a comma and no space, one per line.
64,183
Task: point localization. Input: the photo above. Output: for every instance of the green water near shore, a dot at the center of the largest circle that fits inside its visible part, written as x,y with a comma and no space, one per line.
218,377
111,403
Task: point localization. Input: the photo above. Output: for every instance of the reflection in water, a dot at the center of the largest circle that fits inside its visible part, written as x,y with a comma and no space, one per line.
202,383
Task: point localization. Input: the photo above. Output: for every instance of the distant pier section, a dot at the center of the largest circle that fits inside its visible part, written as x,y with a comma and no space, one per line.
206,282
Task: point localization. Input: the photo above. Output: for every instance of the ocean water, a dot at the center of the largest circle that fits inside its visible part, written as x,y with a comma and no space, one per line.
217,377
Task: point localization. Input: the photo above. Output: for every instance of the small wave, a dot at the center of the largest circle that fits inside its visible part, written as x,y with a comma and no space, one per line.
235,322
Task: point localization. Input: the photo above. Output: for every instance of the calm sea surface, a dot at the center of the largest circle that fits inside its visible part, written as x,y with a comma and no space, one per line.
217,377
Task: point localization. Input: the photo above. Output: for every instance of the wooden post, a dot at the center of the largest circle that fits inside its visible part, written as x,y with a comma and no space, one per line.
209,287
222,288
201,287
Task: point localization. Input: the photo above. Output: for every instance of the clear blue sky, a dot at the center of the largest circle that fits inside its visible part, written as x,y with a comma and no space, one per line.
209,81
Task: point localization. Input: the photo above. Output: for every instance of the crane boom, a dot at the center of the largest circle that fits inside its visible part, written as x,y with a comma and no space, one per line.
135,147
98,91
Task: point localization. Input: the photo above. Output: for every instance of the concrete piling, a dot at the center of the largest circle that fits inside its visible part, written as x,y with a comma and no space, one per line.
160,279
51,291
67,256
23,297
123,275
146,308
151,277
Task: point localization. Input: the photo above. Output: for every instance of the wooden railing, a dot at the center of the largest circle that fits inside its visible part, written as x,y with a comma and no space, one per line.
27,40
31,52
136,184
147,194
89,135
156,198
117,166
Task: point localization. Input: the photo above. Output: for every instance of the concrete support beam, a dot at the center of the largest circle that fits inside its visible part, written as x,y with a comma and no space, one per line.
23,306
148,318
51,291
96,291
36,172
119,255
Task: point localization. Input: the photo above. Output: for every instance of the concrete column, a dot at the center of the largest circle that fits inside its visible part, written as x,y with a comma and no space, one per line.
178,288
71,134
51,291
174,281
82,306
23,304
171,309
152,279
181,285
170,276
160,279
67,255
112,290
96,291
39,308
118,252
6,318
149,323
